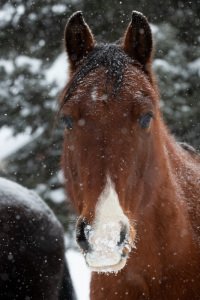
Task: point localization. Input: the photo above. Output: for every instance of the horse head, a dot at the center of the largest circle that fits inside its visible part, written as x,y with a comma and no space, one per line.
111,114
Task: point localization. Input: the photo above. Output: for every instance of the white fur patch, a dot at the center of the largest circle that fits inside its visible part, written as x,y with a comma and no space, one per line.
108,208
95,96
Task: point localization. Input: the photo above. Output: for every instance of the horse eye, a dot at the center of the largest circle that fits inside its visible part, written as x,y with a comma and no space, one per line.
68,122
146,120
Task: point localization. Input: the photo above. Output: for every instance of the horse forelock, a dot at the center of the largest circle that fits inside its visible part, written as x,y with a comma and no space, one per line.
109,56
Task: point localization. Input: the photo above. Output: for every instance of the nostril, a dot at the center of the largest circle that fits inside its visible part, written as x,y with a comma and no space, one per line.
81,232
123,235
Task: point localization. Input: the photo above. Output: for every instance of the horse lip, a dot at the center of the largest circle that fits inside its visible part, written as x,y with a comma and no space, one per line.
111,261
116,265
113,268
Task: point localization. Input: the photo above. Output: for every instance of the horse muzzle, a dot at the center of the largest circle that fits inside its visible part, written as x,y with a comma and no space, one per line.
107,247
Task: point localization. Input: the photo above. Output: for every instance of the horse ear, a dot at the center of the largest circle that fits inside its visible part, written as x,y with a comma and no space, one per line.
138,40
79,40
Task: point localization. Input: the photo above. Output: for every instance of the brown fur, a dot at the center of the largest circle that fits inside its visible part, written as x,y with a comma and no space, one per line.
157,181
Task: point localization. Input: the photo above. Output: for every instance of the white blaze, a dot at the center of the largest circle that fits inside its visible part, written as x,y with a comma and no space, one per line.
105,234
95,96
108,208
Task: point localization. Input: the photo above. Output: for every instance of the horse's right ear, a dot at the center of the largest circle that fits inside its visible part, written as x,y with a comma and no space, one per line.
79,40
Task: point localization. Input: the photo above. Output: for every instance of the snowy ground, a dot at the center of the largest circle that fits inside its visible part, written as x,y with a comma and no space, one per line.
80,274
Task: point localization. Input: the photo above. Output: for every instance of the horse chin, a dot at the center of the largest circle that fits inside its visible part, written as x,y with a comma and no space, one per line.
109,269
105,264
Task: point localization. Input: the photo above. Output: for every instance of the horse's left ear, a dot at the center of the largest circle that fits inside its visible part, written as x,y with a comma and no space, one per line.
137,41
79,40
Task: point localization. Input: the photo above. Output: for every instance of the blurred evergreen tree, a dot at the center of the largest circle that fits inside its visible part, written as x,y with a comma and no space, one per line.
34,29
30,41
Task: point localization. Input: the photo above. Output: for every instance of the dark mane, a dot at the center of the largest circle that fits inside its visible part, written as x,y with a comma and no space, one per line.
109,56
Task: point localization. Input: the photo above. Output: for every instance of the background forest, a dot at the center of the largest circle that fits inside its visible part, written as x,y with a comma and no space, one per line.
32,68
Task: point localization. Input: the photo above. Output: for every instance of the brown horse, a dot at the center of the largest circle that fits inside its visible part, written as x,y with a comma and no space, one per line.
136,189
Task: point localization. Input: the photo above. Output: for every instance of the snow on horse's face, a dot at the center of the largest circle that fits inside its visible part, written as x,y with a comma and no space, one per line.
109,108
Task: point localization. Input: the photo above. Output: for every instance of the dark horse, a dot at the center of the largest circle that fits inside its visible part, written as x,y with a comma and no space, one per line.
32,263
136,189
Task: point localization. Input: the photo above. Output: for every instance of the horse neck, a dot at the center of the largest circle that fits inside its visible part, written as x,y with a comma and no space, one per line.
172,162
163,163
185,173
165,207
182,167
